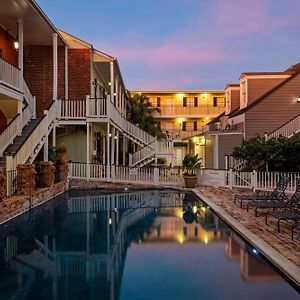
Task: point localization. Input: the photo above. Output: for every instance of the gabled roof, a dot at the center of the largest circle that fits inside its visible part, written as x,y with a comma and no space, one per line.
270,92
229,85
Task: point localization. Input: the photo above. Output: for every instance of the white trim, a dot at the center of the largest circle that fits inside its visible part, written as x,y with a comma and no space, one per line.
265,76
10,92
55,66
21,51
66,74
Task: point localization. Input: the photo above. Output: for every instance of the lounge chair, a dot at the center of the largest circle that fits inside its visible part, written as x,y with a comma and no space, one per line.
276,194
292,214
279,203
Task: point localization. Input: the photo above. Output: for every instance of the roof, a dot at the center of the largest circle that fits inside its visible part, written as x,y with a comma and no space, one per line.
231,85
260,99
263,73
177,91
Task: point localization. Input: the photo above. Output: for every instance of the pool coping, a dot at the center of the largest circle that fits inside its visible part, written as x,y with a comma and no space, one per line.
280,261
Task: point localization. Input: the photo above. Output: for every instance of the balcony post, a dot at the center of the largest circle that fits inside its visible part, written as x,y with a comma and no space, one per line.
87,151
113,143
55,66
46,138
117,150
20,111
108,150
112,88
124,150
21,52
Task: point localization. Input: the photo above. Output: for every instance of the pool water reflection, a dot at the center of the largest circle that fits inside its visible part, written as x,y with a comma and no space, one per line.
140,245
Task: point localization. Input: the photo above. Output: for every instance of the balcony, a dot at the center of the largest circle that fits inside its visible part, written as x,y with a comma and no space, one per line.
10,75
200,111
178,135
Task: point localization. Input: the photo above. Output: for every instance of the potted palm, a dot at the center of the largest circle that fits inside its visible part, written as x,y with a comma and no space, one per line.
191,163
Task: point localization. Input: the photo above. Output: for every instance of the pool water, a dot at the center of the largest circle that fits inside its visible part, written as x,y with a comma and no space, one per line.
131,245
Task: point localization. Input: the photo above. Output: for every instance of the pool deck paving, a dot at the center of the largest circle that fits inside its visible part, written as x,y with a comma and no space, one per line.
279,248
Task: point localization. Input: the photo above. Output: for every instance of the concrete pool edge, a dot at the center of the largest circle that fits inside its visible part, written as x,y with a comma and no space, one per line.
280,261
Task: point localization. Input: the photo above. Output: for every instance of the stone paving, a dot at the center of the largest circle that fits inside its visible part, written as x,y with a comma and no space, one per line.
282,242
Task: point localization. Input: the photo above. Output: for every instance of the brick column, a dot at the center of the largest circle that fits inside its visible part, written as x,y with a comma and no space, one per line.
26,179
47,170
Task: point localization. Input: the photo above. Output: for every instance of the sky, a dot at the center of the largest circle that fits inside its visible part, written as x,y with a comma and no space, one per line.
185,44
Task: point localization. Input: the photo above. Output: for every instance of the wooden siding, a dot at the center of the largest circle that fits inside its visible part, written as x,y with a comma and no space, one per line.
209,152
226,144
235,99
275,110
257,87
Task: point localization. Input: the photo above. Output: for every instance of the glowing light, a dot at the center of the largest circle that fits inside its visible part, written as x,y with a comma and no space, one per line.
109,221
180,94
109,134
16,45
254,251
181,240
109,83
180,120
115,94
116,137
298,100
202,141
195,209
195,140
126,189
206,118
205,95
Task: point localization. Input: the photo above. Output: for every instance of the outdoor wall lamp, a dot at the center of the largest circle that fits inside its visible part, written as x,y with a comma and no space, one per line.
298,100
16,45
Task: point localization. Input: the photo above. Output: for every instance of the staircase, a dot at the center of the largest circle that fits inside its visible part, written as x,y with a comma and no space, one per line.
103,109
287,130
26,147
13,148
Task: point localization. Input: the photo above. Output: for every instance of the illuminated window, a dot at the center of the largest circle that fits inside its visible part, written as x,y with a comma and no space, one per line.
195,101
184,101
215,101
158,101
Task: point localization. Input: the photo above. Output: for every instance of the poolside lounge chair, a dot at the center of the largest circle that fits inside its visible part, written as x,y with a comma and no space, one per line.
278,203
292,214
276,194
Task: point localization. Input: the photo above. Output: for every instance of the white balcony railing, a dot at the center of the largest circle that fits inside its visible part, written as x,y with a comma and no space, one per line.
287,130
10,74
28,150
72,109
182,111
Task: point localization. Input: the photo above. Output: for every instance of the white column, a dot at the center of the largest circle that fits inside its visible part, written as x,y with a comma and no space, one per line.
117,93
21,52
124,150
112,81
87,150
55,66
117,148
19,110
46,148
108,145
66,74
103,150
216,152
54,136
113,141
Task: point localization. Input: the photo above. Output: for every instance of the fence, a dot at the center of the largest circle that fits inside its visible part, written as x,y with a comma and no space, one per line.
156,176
11,182
264,181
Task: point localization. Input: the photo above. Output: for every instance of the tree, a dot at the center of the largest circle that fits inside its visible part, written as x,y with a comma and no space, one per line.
276,154
140,112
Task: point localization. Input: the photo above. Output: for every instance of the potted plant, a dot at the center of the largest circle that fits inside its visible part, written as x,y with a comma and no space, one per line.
191,163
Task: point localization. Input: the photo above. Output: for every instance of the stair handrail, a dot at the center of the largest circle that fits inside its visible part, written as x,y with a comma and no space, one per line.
287,129
28,147
143,153
29,98
129,127
9,133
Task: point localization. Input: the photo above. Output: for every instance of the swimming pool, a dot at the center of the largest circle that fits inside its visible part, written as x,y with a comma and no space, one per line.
131,245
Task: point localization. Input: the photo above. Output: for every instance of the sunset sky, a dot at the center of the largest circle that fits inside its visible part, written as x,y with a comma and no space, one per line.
185,44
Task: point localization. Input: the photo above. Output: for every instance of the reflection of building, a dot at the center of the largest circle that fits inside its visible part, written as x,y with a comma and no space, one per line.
252,266
79,245
183,114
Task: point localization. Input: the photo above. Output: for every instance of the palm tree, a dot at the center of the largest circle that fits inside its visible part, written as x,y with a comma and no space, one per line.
140,112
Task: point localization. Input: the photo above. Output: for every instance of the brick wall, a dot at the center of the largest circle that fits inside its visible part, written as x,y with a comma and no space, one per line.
38,73
79,70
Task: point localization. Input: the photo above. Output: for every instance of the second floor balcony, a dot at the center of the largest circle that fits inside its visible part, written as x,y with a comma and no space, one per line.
201,111
10,75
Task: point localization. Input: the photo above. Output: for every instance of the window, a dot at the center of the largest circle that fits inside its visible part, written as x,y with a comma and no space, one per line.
195,101
184,101
158,101
195,126
196,232
183,126
185,231
215,101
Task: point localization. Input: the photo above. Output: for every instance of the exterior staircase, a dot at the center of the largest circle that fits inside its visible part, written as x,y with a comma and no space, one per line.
103,109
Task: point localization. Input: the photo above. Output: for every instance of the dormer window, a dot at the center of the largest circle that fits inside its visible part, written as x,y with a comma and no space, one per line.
243,94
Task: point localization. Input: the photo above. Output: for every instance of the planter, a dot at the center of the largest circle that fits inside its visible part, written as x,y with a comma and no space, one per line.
190,181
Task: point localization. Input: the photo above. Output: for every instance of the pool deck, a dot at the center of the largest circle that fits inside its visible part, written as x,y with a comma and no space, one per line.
277,247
